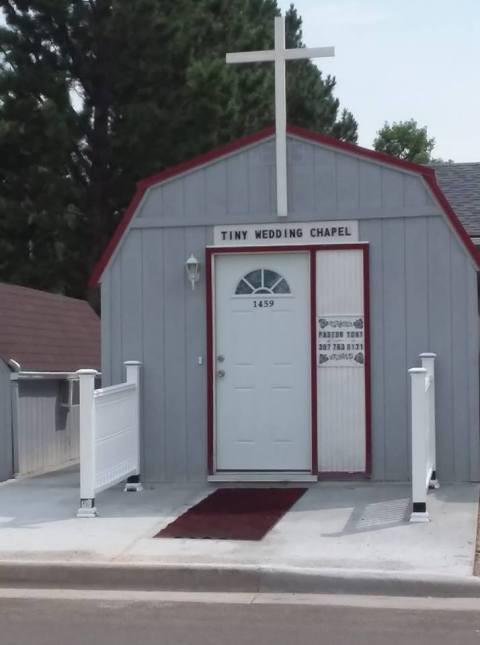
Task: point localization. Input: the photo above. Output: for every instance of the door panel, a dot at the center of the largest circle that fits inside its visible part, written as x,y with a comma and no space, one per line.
262,323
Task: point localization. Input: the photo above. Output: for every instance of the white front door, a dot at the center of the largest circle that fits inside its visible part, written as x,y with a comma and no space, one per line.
262,362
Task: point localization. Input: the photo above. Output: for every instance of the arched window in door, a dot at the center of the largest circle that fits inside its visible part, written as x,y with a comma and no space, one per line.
262,282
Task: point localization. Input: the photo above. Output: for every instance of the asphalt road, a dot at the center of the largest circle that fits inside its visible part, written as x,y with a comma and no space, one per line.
117,619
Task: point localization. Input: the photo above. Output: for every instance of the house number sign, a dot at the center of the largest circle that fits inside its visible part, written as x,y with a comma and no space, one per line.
340,341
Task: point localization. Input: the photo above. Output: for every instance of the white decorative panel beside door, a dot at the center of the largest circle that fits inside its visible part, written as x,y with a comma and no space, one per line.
341,362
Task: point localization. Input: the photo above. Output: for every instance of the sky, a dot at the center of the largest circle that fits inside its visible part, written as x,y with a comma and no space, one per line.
401,59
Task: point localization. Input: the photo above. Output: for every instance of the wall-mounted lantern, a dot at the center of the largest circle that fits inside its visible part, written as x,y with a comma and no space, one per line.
192,267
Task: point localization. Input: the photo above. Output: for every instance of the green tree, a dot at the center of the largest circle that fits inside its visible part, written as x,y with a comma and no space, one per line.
96,94
404,139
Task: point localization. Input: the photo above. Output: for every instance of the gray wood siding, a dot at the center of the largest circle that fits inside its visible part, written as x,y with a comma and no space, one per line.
154,370
47,434
168,339
6,446
422,288
323,184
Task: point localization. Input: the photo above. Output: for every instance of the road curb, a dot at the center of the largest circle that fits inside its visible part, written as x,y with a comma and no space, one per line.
246,579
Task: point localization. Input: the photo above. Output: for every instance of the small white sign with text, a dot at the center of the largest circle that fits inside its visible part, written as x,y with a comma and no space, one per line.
292,233
341,341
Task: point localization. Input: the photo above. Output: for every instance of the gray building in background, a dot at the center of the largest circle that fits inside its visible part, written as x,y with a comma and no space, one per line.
461,184
378,246
44,338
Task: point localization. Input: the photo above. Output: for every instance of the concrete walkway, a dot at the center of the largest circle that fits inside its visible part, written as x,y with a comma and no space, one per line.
349,528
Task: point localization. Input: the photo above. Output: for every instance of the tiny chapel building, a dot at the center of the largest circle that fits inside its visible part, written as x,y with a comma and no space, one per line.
276,291
288,359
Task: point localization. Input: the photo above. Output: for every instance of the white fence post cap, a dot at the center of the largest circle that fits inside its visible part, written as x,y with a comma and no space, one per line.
428,355
132,363
417,370
87,372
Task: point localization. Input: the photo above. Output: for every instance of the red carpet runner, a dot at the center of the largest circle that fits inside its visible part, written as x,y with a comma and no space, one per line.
234,514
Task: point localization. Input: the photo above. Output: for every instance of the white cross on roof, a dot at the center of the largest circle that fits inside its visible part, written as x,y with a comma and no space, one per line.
279,55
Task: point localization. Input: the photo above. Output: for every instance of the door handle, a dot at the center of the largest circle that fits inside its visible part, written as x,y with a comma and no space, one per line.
220,373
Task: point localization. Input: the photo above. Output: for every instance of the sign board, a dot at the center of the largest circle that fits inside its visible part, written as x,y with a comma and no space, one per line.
340,341
283,233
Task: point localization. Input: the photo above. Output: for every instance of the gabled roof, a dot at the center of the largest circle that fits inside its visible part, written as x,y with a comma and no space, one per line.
460,183
427,173
47,332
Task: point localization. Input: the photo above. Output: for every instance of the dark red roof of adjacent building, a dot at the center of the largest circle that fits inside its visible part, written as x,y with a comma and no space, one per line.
47,332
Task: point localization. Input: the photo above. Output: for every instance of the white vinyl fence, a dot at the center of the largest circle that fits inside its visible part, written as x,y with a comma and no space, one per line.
424,475
109,436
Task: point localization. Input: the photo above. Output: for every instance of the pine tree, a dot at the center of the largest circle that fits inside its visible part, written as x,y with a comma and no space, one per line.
96,94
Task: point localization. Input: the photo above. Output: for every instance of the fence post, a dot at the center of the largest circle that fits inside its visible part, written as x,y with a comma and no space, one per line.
419,445
15,403
87,443
428,362
132,368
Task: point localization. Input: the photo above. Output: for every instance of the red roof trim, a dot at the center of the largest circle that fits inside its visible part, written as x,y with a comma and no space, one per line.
115,239
427,173
211,155
358,150
454,221
168,173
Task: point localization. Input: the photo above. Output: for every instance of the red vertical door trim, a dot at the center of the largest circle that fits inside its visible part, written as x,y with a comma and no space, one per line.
209,259
368,392
313,342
